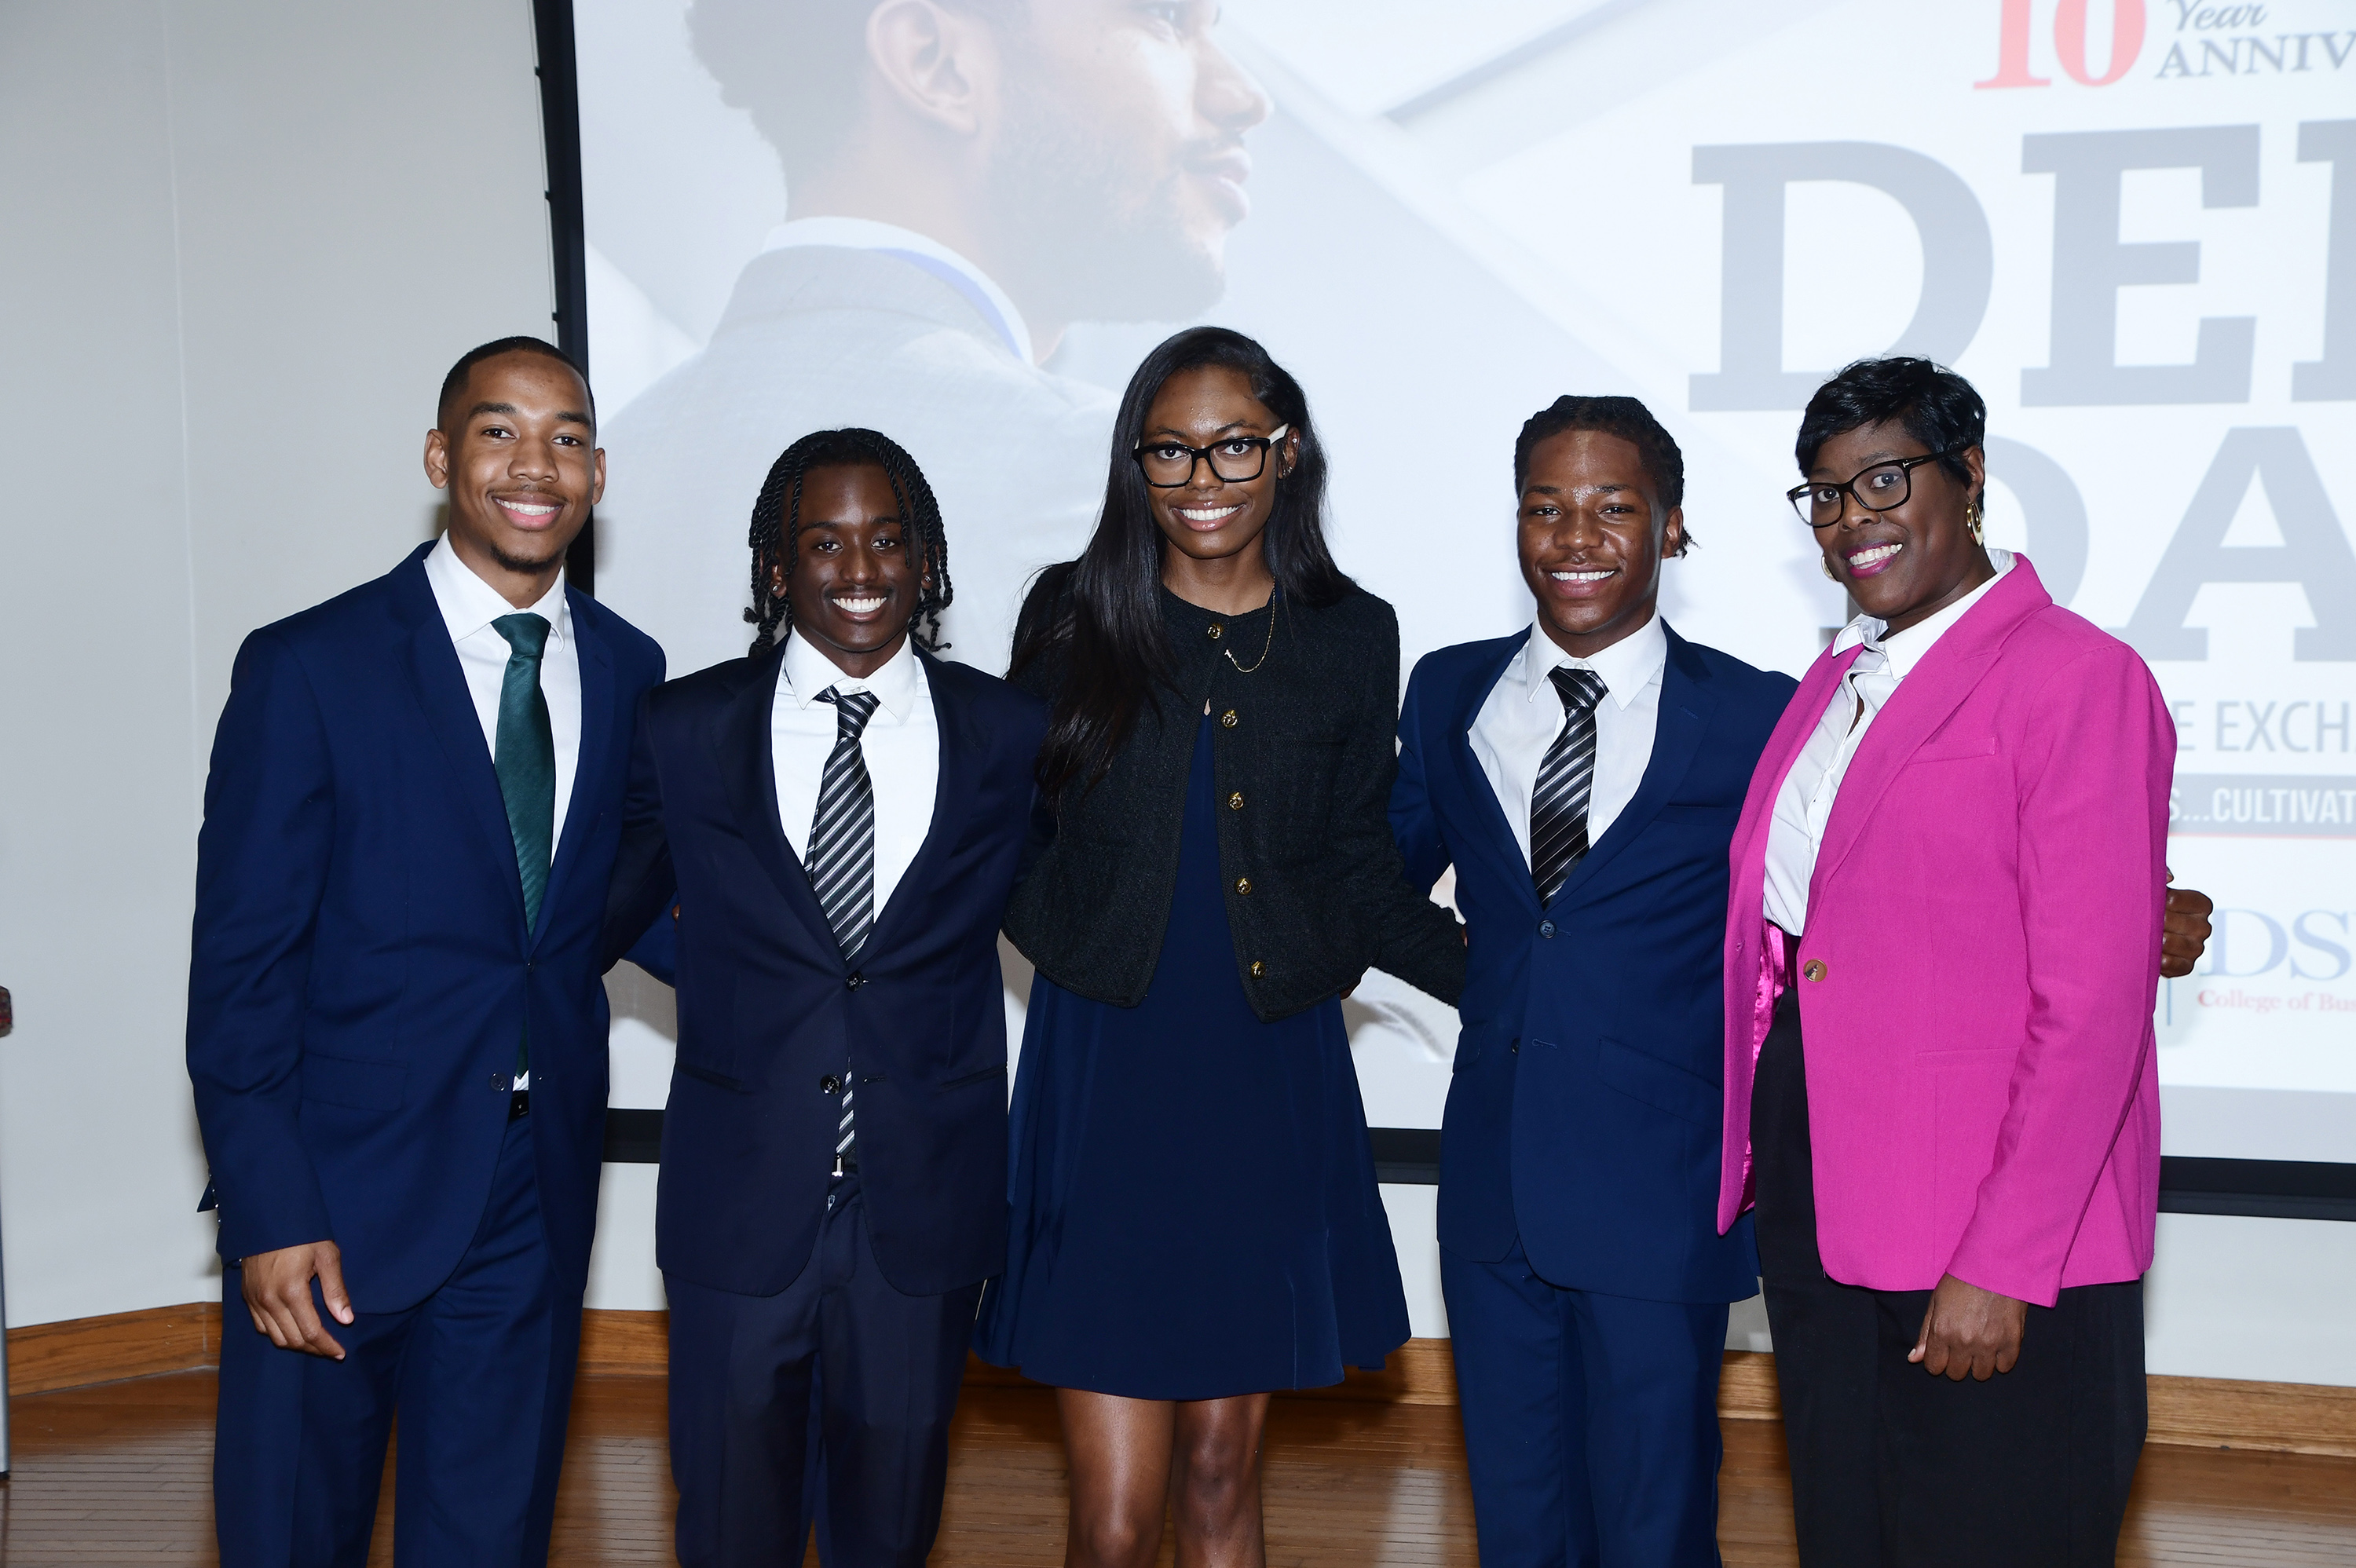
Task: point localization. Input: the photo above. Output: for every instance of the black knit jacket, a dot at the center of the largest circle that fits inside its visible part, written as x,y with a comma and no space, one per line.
1304,760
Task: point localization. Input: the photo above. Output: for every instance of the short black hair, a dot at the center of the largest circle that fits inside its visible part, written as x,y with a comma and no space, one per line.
1930,402
798,67
455,381
1626,418
777,526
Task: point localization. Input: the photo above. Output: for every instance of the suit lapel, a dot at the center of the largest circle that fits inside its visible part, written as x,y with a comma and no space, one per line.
596,661
440,686
1922,702
741,738
1497,830
1686,707
953,795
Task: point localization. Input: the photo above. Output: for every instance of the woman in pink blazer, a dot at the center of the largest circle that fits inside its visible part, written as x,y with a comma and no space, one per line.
1941,952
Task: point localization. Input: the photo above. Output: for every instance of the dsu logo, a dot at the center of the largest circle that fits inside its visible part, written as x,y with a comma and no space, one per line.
2310,946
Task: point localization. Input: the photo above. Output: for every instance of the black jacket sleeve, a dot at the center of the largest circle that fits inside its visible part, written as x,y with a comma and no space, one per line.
1414,938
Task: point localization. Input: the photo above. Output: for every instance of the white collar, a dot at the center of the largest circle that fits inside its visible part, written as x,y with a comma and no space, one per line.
1627,666
468,604
1905,649
867,234
809,672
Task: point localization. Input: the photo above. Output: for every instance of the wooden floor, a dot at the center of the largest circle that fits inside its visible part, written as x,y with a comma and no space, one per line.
118,1474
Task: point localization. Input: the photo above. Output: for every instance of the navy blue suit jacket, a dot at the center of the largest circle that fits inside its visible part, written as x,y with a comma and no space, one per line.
362,973
768,1007
1585,1107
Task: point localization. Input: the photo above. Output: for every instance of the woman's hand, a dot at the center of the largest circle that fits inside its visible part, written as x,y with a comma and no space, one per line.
2186,931
1969,1331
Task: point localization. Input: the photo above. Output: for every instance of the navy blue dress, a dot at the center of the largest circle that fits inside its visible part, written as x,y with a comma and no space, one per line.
1194,1212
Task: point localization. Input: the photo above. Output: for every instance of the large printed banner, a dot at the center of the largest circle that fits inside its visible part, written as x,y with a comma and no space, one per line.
2131,225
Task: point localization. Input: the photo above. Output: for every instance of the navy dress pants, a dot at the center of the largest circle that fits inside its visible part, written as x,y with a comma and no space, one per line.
1590,1421
827,1403
480,1373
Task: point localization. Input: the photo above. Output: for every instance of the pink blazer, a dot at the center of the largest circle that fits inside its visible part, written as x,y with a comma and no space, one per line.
1983,1097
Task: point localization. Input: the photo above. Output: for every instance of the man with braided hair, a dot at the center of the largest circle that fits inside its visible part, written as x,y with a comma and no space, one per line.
833,824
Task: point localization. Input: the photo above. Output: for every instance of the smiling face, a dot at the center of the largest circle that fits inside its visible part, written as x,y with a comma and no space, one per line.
1919,557
1210,518
1123,146
1592,537
518,456
855,582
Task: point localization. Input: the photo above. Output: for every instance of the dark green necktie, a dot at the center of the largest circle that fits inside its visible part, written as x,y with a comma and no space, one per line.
526,757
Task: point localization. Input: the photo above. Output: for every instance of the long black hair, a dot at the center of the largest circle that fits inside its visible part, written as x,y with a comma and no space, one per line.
778,527
1102,613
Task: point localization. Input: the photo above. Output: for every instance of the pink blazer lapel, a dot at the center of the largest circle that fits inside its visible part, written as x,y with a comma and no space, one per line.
1922,702
1792,731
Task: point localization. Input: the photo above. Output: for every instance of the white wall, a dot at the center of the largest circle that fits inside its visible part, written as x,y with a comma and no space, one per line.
243,243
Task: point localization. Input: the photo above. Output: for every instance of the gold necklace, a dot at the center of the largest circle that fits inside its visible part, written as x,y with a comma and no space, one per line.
1246,670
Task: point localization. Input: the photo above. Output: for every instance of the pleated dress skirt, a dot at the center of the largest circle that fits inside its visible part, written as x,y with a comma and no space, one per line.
1195,1211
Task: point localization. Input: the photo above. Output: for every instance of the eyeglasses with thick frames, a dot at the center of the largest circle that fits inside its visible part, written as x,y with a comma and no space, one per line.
1170,465
1878,489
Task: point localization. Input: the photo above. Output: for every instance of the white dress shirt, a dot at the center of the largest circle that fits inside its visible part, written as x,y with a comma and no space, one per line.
1805,804
1523,713
468,606
902,745
920,250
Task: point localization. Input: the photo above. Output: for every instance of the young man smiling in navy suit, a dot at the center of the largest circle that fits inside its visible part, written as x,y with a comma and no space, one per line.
1583,777
835,822
396,1031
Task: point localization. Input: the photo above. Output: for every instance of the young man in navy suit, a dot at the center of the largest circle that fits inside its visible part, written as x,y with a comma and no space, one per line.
833,824
1583,777
396,1027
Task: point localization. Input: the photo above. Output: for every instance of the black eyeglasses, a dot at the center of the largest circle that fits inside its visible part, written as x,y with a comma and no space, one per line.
1876,489
1170,465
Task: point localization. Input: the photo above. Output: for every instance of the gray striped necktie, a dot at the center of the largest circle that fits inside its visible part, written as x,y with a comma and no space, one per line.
1565,779
842,857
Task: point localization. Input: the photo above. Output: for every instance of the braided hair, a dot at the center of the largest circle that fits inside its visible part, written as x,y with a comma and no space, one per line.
778,526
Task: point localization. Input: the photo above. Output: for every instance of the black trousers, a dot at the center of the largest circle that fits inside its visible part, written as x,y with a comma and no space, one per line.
825,1403
1892,1467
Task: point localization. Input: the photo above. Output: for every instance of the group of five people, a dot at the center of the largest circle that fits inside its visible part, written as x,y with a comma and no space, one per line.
441,804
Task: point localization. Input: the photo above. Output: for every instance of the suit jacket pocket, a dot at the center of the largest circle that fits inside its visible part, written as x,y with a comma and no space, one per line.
717,1079
352,1082
963,1079
1720,815
1660,1084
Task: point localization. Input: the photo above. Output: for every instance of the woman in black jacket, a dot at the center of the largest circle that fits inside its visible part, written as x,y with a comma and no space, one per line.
1195,1220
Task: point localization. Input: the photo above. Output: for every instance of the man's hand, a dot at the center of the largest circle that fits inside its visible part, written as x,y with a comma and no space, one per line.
278,1294
2186,931
1969,1331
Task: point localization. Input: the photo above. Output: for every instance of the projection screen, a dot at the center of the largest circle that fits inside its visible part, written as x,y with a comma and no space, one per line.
2131,225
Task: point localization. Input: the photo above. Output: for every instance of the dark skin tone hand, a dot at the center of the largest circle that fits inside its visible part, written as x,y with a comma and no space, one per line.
518,456
1904,566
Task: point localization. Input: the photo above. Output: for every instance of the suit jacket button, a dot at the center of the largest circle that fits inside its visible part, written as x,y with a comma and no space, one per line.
1243,886
830,1084
1227,719
1259,970
498,1079
1814,969
1236,801
1546,928
1216,631
854,982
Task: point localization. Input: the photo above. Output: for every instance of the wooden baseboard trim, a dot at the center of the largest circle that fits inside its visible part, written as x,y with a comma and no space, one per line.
79,1351
2205,1412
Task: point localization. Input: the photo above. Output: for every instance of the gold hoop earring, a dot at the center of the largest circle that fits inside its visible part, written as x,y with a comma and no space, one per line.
1971,520
1830,575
